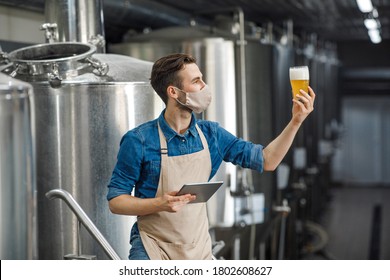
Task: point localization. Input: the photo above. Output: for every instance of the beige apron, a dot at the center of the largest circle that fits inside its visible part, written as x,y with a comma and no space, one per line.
182,235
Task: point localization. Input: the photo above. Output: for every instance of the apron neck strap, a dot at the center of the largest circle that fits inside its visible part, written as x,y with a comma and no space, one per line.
164,144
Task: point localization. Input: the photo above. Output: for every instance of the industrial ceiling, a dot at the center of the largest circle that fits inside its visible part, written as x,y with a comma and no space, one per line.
333,20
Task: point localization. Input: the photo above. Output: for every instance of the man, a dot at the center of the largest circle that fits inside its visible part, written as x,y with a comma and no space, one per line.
160,156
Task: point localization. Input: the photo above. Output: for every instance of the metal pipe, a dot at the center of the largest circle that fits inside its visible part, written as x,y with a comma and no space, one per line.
284,209
84,219
290,32
76,21
241,44
247,183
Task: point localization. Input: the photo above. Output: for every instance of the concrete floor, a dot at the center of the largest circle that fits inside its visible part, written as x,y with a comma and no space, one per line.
357,221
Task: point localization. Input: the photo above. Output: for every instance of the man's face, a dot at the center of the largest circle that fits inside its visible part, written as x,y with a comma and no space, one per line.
191,78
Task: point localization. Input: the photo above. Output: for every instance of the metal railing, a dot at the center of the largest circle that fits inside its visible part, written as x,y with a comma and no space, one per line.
84,219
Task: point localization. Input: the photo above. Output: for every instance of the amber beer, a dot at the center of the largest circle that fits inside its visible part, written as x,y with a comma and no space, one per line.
299,79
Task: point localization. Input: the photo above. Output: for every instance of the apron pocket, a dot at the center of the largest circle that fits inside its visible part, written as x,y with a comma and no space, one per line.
174,251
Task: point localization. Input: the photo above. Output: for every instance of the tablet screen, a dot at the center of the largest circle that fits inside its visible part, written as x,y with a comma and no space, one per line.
203,191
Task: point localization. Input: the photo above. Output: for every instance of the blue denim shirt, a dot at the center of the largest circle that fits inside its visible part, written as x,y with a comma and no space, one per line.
139,157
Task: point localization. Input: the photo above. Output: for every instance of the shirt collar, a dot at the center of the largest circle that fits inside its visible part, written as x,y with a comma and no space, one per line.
169,133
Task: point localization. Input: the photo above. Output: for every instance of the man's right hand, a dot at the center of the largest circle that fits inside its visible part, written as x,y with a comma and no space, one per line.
171,203
129,205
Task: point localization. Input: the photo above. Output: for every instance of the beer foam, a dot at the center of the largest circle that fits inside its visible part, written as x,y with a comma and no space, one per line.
299,73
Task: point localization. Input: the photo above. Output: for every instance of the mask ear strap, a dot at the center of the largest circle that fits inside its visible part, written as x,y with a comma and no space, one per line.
177,99
175,88
181,103
179,89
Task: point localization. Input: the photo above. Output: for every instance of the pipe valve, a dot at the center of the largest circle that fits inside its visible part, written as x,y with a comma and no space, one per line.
51,32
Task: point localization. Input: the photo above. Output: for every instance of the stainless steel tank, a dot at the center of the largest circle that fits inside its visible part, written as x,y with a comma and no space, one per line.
17,171
84,103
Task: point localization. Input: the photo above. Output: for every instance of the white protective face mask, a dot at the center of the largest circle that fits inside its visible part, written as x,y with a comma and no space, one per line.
197,101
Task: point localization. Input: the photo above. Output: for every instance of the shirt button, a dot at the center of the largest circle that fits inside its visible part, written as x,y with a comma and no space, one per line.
183,140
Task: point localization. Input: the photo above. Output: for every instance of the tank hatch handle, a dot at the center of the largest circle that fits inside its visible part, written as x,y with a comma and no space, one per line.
97,40
54,77
3,57
84,219
15,71
100,67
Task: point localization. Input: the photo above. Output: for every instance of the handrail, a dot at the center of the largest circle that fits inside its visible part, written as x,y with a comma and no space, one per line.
84,219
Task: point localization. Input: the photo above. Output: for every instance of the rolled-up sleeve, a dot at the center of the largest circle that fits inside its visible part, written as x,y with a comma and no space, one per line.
128,167
257,160
240,152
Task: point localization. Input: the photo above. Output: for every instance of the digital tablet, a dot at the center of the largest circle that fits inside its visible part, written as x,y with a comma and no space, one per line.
203,191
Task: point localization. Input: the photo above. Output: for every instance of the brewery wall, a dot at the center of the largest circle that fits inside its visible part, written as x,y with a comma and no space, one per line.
20,25
269,216
365,87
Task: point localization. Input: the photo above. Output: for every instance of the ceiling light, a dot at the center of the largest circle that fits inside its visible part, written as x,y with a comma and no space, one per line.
375,36
371,23
375,13
365,6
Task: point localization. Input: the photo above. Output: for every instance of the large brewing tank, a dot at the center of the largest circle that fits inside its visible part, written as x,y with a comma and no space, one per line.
17,171
84,103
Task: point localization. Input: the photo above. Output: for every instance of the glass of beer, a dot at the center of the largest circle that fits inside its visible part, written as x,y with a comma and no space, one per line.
299,79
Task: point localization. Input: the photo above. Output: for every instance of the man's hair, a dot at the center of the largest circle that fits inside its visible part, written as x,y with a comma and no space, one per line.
165,72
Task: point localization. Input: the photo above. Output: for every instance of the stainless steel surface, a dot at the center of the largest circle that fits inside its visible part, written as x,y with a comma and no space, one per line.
79,126
77,21
17,171
84,219
46,62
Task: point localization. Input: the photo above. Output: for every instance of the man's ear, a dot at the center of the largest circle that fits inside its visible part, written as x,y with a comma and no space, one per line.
171,92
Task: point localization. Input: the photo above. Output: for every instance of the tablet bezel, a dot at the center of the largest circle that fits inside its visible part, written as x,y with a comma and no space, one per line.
203,191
